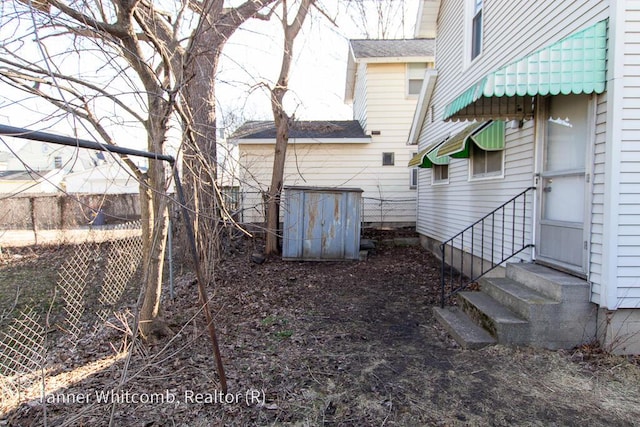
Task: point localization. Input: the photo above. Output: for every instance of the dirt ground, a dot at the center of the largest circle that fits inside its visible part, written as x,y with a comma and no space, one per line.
306,344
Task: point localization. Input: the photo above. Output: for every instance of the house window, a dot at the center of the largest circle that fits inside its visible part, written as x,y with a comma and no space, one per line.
485,163
415,77
388,159
440,174
413,175
476,29
57,162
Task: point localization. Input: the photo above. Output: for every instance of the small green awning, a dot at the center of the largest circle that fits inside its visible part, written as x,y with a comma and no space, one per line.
487,135
457,146
428,157
576,64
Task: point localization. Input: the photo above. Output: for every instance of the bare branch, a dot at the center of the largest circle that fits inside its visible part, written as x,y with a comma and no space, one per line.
42,80
115,30
81,111
324,13
267,16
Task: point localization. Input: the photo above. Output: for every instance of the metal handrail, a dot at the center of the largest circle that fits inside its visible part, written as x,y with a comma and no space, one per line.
502,218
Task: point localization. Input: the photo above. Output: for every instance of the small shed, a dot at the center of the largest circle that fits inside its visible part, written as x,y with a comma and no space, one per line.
321,223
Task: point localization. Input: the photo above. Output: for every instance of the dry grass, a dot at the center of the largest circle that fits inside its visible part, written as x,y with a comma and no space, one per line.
340,344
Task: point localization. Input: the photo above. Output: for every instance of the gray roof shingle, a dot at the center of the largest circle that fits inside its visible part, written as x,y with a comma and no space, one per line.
393,48
302,129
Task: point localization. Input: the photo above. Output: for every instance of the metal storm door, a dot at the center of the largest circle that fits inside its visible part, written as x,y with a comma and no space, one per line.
563,180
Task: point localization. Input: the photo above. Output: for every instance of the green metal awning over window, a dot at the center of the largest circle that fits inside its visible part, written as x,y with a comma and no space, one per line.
427,158
487,135
576,64
458,143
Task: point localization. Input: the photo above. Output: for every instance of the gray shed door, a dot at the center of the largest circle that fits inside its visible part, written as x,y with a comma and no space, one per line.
322,224
324,237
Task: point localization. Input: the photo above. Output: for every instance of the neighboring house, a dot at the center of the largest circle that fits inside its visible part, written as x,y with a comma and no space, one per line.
530,94
18,182
113,177
40,156
383,81
37,167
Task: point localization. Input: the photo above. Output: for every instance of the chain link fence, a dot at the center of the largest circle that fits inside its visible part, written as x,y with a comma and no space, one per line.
93,279
376,212
93,282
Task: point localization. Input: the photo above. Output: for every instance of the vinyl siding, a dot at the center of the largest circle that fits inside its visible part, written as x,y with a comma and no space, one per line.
360,96
597,201
512,29
380,104
336,165
446,209
628,289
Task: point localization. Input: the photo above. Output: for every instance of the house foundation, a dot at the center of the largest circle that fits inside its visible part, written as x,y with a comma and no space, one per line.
619,330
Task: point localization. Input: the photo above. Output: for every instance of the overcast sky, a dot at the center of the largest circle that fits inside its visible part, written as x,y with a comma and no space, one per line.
318,75
251,56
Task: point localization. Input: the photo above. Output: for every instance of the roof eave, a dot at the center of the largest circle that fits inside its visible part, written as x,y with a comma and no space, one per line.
395,59
272,141
428,12
422,106
350,83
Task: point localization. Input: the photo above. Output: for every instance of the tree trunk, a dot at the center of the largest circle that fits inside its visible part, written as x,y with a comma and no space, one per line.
155,215
200,154
272,245
281,120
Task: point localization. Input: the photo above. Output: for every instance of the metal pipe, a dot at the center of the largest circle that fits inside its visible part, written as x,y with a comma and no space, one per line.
170,255
201,289
442,279
81,143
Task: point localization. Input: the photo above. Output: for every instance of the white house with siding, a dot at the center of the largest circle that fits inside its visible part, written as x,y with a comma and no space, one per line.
383,81
530,97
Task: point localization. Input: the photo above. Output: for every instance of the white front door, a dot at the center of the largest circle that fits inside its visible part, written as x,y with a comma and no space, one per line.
562,182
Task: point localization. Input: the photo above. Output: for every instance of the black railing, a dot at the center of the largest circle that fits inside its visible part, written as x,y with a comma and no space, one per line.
492,240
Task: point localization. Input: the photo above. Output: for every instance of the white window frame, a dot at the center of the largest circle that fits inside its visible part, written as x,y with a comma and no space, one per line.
413,175
472,11
413,178
440,181
415,71
485,175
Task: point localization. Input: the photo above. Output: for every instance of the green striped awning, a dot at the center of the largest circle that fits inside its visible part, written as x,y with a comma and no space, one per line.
487,135
457,145
576,64
417,159
428,157
491,137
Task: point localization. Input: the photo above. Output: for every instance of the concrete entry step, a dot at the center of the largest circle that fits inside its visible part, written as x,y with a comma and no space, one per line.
533,305
502,323
552,283
462,328
521,299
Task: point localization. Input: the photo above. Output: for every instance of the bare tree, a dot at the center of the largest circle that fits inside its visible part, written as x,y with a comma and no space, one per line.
378,19
135,65
282,120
